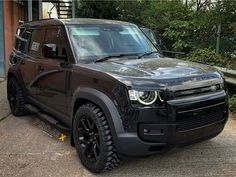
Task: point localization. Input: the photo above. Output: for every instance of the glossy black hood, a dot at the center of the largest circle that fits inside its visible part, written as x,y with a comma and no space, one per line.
158,72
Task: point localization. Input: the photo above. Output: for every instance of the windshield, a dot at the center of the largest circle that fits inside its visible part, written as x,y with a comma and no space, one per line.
95,41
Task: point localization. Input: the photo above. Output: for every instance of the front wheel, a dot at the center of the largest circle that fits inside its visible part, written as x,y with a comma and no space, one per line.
93,140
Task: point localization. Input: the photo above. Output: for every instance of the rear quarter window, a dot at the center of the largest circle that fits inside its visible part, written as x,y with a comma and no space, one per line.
22,39
19,33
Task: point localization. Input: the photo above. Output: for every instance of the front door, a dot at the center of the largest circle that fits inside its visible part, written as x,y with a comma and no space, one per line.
51,79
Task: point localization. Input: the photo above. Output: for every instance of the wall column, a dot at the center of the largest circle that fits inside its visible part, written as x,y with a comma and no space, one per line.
73,8
2,46
30,13
40,9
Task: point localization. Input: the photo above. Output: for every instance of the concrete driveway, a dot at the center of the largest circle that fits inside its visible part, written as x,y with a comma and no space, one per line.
26,150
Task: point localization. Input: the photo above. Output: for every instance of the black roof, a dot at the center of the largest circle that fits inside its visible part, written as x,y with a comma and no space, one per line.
50,22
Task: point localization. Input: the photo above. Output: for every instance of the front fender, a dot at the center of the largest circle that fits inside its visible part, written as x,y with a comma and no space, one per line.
107,106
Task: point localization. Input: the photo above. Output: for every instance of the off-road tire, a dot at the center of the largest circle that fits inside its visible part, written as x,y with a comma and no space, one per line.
108,158
18,109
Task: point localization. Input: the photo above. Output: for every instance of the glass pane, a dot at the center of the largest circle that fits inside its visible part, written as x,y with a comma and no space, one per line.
91,41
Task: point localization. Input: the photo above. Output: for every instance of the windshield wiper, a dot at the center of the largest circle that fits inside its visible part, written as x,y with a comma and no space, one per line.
147,53
114,56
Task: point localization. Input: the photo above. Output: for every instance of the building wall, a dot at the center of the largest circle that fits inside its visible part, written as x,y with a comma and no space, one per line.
10,14
13,12
2,48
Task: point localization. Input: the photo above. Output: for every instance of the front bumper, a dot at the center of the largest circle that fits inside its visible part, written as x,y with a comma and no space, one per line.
130,144
188,121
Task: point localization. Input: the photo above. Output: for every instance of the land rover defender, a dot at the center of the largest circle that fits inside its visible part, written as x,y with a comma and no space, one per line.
108,84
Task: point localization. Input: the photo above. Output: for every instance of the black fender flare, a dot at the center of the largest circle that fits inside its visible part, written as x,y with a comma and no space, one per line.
17,74
107,106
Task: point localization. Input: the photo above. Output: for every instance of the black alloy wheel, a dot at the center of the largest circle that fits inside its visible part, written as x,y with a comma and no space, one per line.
89,138
93,140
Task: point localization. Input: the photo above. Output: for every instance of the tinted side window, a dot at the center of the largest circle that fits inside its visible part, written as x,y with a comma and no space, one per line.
19,32
35,46
22,38
54,36
51,38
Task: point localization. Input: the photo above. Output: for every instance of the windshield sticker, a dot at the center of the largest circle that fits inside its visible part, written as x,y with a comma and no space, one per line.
35,46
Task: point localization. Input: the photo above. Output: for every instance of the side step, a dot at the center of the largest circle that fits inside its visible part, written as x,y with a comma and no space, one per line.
46,117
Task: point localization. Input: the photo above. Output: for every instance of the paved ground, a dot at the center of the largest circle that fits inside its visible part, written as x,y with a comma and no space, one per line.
26,150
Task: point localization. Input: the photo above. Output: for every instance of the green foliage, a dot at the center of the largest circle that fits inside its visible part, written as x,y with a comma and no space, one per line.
232,103
180,33
183,25
206,56
169,19
133,11
97,9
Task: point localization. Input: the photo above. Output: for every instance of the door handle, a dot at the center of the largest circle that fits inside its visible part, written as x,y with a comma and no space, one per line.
40,68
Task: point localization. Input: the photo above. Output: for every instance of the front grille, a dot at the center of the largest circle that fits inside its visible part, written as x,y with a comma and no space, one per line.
191,119
195,91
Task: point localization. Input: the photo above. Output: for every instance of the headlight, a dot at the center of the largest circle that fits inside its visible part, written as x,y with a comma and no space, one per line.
144,97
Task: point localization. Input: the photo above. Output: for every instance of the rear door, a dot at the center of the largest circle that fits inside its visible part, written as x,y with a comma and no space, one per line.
27,64
51,78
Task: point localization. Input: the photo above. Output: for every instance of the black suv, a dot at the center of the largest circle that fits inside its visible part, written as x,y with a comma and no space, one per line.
108,84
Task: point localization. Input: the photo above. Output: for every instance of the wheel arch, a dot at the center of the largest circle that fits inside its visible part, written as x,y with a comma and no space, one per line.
85,95
10,75
14,73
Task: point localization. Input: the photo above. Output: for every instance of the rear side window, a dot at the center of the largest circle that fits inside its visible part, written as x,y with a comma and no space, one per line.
21,39
35,45
51,36
54,37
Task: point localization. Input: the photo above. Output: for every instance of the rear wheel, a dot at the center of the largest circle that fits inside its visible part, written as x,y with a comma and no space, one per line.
16,97
93,140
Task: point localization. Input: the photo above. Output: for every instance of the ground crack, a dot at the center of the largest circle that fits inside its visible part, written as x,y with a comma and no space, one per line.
3,118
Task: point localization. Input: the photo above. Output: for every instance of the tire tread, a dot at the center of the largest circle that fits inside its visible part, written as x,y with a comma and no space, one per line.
111,159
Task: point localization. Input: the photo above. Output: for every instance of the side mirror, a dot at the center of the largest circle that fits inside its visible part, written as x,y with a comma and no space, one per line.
50,50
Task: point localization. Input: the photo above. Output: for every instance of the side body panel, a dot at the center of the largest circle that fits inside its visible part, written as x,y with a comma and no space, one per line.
52,81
